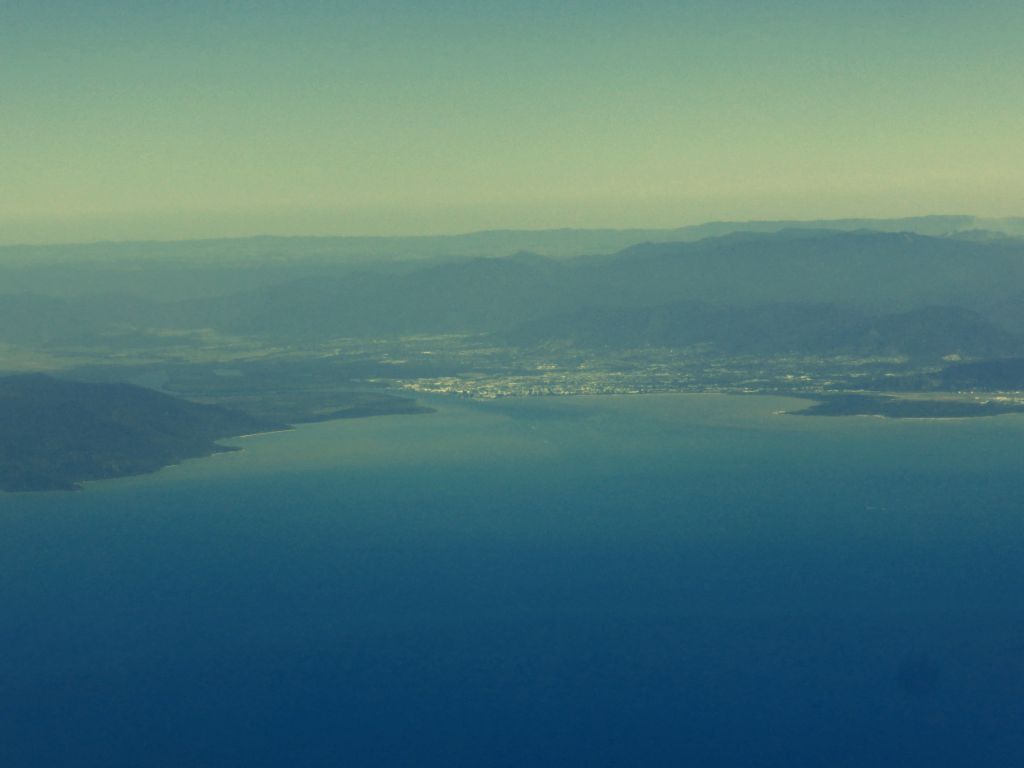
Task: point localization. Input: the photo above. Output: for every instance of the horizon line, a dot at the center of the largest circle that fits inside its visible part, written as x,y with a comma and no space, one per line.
499,230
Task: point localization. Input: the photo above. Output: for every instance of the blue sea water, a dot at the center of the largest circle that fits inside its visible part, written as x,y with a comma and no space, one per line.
616,581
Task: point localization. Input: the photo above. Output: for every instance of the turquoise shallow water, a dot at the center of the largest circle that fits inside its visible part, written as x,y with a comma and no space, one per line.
657,580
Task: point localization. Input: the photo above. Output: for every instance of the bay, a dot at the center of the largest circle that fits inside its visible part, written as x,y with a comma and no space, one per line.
655,580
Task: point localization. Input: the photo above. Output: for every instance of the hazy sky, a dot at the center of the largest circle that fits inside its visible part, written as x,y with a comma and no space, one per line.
179,119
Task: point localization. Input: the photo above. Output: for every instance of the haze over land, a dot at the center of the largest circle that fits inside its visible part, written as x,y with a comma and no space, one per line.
909,317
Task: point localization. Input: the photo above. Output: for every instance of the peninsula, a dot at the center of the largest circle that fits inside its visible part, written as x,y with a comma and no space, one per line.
846,404
55,434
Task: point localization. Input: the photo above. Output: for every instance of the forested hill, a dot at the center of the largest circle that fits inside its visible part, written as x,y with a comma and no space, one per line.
54,434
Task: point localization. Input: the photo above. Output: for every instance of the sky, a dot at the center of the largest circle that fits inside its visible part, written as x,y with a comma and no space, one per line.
161,120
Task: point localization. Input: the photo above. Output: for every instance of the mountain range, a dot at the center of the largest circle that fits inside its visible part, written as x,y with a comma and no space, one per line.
798,288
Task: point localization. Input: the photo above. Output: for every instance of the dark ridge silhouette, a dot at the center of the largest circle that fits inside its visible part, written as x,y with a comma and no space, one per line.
55,434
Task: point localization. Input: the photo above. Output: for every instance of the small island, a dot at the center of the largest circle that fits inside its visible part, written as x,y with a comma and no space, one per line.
847,404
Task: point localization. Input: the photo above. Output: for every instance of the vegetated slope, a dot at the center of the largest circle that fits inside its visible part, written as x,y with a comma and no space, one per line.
34,319
930,332
1007,312
54,434
812,329
464,297
986,375
775,327
874,270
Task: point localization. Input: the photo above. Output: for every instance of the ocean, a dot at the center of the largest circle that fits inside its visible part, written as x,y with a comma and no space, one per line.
667,580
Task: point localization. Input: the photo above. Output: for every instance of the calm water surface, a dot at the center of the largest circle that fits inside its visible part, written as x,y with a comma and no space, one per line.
670,580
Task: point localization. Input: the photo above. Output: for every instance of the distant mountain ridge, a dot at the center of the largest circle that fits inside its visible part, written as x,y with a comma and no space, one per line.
192,269
865,274
874,272
558,243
